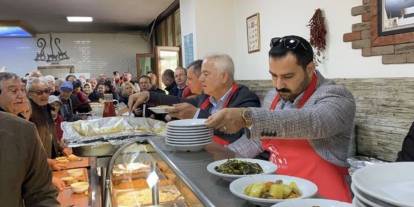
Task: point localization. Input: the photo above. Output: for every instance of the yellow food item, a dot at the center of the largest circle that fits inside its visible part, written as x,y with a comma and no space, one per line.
273,190
277,191
143,197
62,159
73,157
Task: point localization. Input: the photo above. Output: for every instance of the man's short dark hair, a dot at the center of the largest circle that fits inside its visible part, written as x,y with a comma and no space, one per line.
298,46
144,76
67,77
196,66
168,73
115,73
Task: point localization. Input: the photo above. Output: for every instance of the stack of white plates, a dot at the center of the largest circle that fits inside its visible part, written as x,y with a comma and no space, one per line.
188,134
384,185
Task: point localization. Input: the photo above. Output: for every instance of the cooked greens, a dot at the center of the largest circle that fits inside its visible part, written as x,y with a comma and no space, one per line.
239,167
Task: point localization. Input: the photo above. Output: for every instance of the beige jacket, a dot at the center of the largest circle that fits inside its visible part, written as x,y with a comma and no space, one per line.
25,176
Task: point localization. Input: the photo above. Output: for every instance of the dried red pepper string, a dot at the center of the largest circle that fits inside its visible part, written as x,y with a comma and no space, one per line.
318,31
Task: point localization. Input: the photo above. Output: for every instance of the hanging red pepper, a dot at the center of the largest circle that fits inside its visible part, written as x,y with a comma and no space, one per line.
318,32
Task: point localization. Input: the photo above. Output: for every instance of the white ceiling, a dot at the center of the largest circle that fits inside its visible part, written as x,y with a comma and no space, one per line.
109,15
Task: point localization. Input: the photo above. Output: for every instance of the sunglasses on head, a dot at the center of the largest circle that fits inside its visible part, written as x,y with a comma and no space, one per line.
41,92
290,43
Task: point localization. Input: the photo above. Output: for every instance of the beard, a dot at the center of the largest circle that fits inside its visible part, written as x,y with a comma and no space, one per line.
288,95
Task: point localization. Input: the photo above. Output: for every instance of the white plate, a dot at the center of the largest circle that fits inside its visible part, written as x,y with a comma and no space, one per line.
391,183
169,134
237,187
187,143
268,168
187,123
364,199
189,140
310,202
358,203
160,110
191,148
188,130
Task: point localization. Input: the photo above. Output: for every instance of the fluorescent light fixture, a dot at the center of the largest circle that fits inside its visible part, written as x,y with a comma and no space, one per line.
13,31
79,19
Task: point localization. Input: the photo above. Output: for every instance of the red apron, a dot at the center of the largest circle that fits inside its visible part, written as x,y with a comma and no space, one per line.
206,104
296,157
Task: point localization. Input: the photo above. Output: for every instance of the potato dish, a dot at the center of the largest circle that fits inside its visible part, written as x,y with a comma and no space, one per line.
273,190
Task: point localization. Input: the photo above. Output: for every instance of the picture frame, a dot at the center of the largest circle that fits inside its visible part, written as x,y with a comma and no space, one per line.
395,17
253,33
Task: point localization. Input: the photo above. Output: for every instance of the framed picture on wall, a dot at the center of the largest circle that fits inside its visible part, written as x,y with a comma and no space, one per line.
395,17
253,33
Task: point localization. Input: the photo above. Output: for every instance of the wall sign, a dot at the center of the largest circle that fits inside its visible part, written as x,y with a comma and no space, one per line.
188,49
253,33
51,57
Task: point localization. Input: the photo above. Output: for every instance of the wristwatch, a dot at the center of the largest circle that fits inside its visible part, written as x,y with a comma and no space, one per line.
247,117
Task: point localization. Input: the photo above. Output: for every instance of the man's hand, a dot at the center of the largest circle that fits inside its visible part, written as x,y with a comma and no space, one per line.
67,151
55,165
60,185
137,99
228,120
182,111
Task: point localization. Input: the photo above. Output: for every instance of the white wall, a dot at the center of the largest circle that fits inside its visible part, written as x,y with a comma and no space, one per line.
212,25
280,18
89,52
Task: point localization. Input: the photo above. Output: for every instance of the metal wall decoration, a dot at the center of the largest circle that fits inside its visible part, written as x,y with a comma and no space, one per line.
51,57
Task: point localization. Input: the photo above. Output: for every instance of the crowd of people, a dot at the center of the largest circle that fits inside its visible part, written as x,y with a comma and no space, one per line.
46,102
305,125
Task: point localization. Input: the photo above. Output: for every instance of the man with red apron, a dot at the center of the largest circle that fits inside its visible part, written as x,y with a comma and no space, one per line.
306,124
296,157
227,97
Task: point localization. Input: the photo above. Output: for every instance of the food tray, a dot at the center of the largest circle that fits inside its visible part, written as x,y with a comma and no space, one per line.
86,131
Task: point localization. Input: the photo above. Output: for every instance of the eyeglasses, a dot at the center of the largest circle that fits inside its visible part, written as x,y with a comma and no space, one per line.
41,92
290,43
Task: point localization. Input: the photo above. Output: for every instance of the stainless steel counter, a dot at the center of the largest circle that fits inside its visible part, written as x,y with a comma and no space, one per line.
192,168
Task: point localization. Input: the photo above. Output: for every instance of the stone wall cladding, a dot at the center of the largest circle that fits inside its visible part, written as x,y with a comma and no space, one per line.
394,49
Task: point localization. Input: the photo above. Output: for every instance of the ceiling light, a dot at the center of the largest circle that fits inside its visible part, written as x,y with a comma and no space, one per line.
79,19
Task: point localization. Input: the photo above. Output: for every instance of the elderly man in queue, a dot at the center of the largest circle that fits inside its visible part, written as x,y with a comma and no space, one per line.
167,79
306,123
38,93
13,96
67,109
220,91
180,77
145,85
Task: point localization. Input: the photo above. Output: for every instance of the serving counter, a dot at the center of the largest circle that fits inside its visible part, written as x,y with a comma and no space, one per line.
184,171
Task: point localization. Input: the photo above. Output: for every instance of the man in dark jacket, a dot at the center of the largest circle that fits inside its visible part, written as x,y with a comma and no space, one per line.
25,176
407,151
220,91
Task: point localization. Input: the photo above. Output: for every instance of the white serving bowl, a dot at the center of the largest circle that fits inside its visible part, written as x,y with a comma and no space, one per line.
75,172
268,168
79,187
237,187
311,202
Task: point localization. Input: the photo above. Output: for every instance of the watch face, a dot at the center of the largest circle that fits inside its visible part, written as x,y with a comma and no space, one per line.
247,114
